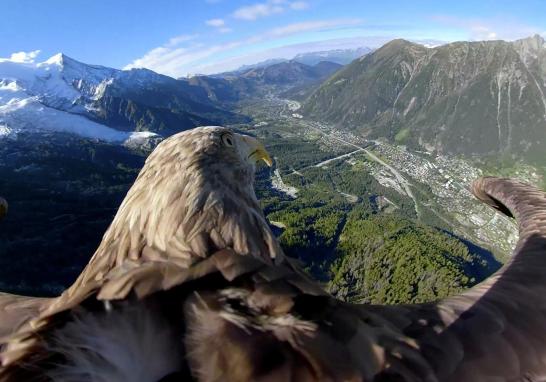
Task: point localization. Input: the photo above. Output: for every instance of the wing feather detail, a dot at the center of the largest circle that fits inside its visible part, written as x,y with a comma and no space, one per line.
250,319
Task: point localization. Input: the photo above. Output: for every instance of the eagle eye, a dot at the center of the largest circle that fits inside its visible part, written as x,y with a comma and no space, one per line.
227,140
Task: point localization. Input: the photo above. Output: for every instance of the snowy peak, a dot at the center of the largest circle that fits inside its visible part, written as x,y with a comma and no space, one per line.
54,95
59,82
63,94
65,62
57,59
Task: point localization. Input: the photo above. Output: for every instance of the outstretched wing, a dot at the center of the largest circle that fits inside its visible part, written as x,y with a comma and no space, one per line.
495,331
276,330
16,310
246,320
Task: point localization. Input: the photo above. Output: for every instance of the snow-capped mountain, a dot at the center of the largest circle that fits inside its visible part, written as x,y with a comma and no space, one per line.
62,94
339,56
44,96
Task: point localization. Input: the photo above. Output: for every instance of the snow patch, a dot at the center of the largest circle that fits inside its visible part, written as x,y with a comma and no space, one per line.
140,138
57,94
4,131
30,115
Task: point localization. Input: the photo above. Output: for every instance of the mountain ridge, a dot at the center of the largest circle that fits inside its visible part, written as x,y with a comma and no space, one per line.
63,94
279,77
472,98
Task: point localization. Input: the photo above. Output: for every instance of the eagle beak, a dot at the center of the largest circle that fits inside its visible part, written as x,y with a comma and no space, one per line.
262,154
257,151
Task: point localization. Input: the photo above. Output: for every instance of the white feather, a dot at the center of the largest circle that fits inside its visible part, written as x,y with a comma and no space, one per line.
128,343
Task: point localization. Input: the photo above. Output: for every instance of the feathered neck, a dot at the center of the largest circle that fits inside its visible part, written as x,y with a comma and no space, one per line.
183,211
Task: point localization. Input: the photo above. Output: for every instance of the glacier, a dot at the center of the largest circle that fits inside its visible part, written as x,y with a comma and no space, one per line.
58,95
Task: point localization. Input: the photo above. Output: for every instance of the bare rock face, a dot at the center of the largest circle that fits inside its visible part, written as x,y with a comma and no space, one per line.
92,101
466,97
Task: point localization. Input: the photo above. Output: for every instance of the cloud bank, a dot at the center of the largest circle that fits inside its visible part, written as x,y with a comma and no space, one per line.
28,57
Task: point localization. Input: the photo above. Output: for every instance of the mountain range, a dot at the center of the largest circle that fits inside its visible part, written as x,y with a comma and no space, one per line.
338,56
470,98
64,172
65,95
259,81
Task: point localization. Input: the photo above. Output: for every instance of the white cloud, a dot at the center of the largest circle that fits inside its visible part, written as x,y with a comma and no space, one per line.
299,5
219,24
215,23
290,51
490,29
180,39
253,12
177,62
268,8
23,56
307,26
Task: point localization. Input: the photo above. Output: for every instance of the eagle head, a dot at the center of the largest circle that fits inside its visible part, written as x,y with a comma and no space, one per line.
194,196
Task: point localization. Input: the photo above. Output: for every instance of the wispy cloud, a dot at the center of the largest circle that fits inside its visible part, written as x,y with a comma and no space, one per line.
490,29
219,24
215,23
307,26
179,61
253,12
167,51
22,56
271,7
177,40
299,5
289,51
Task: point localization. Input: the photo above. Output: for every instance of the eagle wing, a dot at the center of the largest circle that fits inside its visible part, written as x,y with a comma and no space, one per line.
248,320
493,332
16,310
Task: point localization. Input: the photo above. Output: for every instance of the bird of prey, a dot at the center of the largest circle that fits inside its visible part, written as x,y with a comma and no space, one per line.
189,283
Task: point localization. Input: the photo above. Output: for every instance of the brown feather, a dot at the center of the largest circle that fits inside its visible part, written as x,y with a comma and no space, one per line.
191,238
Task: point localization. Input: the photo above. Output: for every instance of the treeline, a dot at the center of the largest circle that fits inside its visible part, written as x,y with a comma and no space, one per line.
63,193
312,224
369,250
389,259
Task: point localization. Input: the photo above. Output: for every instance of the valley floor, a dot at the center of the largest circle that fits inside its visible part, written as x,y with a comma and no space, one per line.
437,185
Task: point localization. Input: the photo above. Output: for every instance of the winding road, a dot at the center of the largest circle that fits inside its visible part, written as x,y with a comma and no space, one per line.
403,182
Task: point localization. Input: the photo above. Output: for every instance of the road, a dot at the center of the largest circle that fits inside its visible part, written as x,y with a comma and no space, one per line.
403,182
284,104
324,163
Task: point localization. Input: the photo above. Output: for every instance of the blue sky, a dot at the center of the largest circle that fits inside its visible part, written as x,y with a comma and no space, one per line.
180,37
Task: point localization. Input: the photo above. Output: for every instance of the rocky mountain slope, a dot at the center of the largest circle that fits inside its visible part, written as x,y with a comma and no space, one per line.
62,94
339,56
63,192
257,82
468,98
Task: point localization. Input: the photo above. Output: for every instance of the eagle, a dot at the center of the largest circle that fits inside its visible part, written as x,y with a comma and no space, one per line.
189,283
